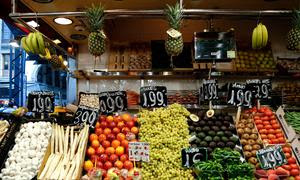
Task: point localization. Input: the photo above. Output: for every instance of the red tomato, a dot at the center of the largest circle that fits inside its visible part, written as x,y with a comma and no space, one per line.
271,131
281,140
108,165
268,127
294,166
271,136
278,130
275,126
297,177
266,122
260,126
268,113
263,136
274,141
279,135
294,172
287,155
286,149
256,118
265,118
273,117
263,131
291,160
287,167
258,122
273,121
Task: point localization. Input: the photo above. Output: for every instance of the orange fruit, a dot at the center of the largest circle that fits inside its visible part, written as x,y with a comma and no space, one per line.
88,165
102,137
107,131
115,143
95,144
123,157
134,130
100,150
126,117
124,143
119,150
98,131
118,164
93,137
116,130
109,150
105,144
109,119
117,119
97,125
120,125
121,137
90,151
128,165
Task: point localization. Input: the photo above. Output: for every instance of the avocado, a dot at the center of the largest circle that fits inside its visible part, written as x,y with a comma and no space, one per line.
215,128
230,144
228,133
220,133
202,123
214,118
220,117
209,150
208,138
205,118
195,124
212,144
211,133
205,129
216,139
218,123
198,141
224,128
234,139
224,139
231,128
191,128
203,144
193,134
220,144
228,118
226,123
210,123
198,129
194,145
201,135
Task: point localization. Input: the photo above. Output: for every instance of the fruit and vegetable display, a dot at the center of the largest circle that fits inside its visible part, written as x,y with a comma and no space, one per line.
183,97
25,158
259,36
293,119
290,93
166,130
253,61
89,100
213,132
133,98
67,150
249,137
225,162
268,126
34,43
4,125
291,66
140,57
108,145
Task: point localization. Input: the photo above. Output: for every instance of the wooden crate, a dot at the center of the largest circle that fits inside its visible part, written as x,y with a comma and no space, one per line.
220,66
118,60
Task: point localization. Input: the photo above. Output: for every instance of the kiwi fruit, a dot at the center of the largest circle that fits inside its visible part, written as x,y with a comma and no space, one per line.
245,136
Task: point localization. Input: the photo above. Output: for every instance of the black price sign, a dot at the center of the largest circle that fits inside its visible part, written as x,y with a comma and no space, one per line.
41,102
153,96
261,89
271,157
86,115
209,89
192,155
113,101
239,95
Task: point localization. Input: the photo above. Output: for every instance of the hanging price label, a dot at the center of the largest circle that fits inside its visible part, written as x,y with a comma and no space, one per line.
209,89
238,95
153,96
86,115
139,151
271,157
41,102
113,101
261,89
190,156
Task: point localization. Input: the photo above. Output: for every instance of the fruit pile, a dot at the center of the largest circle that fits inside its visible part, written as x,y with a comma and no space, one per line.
167,132
249,138
268,126
108,145
217,131
34,43
288,171
292,118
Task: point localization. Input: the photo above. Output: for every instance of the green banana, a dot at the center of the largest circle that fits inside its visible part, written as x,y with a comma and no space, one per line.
259,37
264,35
24,45
34,44
28,42
41,43
254,39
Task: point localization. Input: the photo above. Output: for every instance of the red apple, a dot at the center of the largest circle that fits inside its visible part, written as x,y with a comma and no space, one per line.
98,131
129,124
103,158
102,118
116,130
113,158
112,125
111,137
103,124
95,158
108,165
99,164
120,125
125,130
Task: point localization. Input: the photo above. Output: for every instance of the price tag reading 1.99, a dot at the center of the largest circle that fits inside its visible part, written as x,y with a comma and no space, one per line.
153,96
239,95
271,157
41,102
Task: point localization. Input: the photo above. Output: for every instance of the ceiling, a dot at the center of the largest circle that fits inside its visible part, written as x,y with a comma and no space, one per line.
80,5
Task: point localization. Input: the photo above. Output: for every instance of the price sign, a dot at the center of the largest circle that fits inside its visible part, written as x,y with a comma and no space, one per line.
192,155
261,89
139,151
238,95
271,157
41,102
113,101
153,96
209,89
86,115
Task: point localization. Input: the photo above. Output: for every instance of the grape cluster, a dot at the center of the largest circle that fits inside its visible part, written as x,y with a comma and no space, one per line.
166,130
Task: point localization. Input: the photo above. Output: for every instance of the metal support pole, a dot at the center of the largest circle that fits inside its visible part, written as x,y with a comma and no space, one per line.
13,6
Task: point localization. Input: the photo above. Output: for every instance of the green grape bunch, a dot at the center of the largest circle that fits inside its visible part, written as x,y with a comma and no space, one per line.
166,130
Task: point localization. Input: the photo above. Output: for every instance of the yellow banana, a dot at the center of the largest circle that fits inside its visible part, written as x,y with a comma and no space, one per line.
259,37
254,39
264,35
48,54
24,45
34,44
41,43
28,42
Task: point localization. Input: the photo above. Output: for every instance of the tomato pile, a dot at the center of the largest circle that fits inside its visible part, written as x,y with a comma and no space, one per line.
291,166
108,145
268,126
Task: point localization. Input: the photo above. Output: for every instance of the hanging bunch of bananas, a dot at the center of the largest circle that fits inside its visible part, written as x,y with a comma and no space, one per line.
34,43
259,36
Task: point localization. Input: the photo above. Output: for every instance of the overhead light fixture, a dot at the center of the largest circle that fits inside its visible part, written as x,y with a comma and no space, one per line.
14,43
63,21
43,1
33,24
65,62
57,41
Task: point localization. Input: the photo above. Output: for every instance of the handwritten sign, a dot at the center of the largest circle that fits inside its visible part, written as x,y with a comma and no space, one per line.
209,90
113,101
139,151
41,102
86,115
238,95
192,155
153,96
271,157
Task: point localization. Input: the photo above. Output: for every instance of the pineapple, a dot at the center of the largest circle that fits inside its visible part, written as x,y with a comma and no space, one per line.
174,46
96,40
293,36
